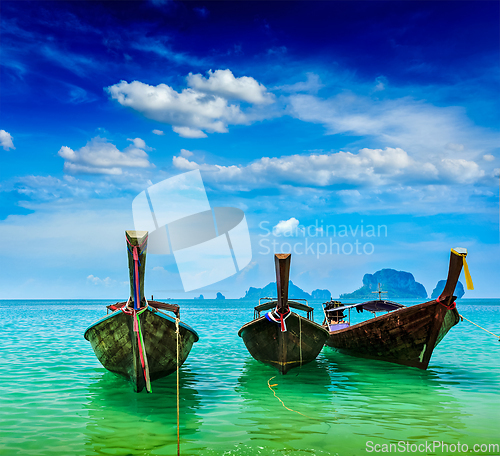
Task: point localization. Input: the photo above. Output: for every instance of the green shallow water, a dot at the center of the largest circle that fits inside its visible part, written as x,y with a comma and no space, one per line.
56,399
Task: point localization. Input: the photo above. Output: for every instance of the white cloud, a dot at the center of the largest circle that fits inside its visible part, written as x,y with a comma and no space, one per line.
286,226
186,132
99,156
369,167
416,126
312,85
222,83
97,281
202,108
488,157
189,109
6,140
381,83
460,171
186,153
158,132
139,143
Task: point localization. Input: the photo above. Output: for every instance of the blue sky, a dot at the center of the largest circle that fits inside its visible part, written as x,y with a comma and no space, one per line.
382,114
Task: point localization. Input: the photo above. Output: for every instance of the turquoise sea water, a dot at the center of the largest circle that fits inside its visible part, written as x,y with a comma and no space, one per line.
56,399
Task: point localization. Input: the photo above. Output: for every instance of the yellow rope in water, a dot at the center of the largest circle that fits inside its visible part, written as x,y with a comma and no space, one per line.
282,403
177,364
461,316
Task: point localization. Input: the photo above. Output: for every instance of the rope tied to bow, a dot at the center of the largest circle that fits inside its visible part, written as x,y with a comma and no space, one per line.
450,305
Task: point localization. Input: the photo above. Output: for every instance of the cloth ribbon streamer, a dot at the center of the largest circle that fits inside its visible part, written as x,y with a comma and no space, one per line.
277,317
140,342
136,252
468,280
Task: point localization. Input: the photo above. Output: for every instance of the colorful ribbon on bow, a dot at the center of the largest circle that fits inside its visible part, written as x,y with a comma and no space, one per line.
136,252
140,342
277,317
468,280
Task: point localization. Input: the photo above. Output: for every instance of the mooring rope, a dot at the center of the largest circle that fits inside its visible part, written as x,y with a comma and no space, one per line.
300,340
282,403
498,337
177,364
291,410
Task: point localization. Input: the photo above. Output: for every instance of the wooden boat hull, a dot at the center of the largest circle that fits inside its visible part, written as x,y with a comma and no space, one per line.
115,344
405,336
299,345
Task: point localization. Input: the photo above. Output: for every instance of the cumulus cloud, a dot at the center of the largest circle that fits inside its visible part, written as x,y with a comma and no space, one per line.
286,226
186,153
222,83
139,143
6,140
97,281
488,157
460,171
99,156
158,132
369,167
187,132
202,108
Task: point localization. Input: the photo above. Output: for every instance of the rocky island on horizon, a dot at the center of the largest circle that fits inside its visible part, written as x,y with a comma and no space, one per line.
459,289
294,292
396,284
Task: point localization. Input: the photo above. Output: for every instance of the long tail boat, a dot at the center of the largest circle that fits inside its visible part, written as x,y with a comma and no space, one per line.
138,340
403,335
282,338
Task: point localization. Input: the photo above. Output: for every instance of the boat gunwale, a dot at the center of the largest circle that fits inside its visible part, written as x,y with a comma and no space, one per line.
152,309
263,317
383,316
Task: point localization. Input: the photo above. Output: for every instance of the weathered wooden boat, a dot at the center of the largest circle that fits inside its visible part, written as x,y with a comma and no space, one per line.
403,335
138,340
282,338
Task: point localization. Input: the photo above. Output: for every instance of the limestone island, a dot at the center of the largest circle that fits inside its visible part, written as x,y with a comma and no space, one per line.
397,284
294,292
459,289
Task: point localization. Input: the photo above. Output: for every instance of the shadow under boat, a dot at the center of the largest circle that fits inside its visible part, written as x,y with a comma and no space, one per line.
282,338
404,335
138,340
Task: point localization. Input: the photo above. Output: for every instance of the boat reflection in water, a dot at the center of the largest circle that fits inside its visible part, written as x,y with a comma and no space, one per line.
122,422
